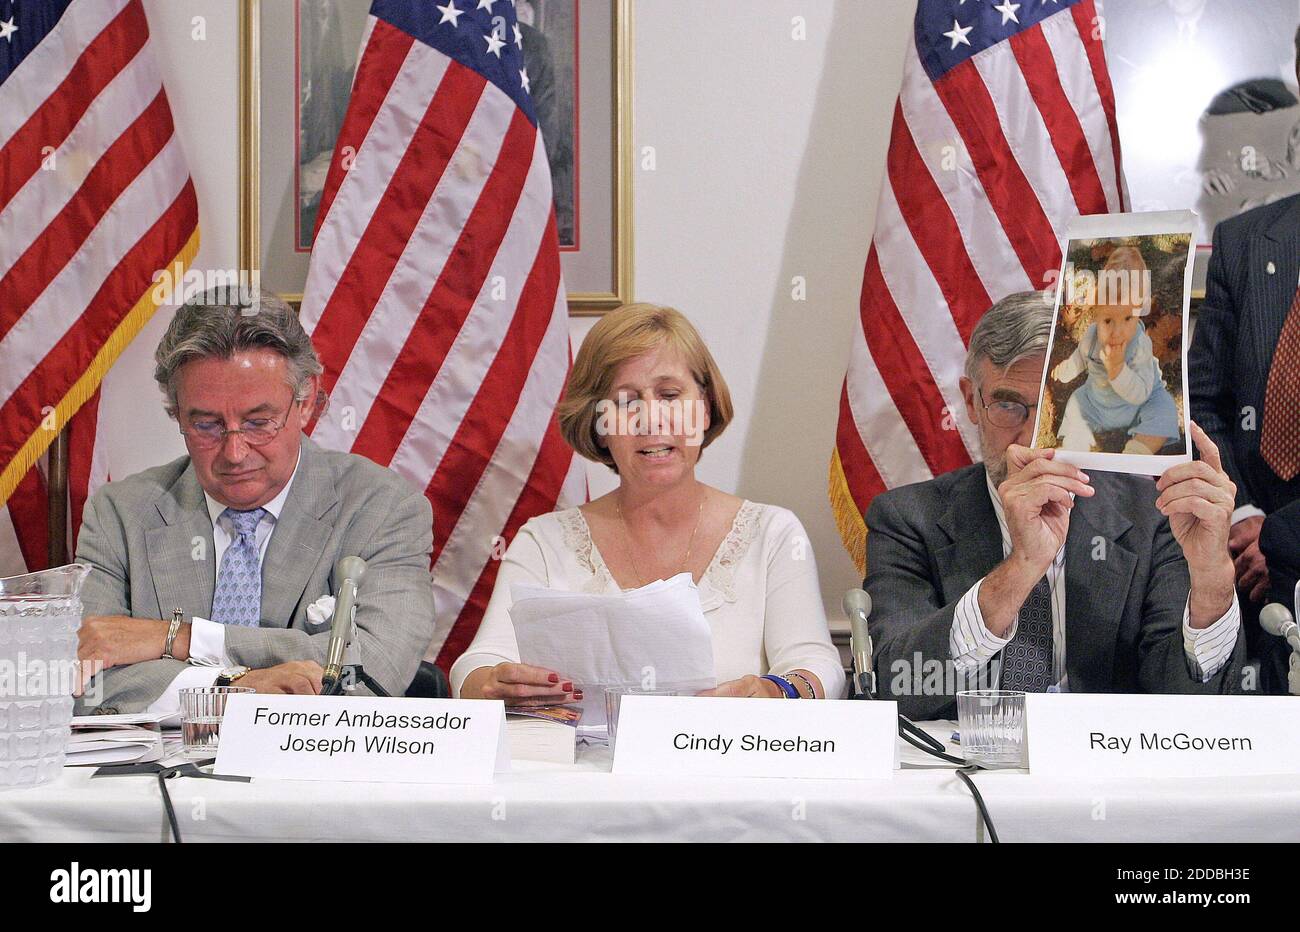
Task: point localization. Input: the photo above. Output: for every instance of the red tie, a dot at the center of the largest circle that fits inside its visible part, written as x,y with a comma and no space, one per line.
1279,441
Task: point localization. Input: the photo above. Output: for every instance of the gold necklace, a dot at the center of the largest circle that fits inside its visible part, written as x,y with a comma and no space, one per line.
627,539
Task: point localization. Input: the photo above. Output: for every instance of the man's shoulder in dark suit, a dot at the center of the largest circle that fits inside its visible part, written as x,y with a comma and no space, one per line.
1131,496
1248,223
1279,540
929,497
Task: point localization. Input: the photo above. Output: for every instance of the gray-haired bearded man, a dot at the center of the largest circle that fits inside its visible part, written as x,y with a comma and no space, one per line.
240,536
1025,572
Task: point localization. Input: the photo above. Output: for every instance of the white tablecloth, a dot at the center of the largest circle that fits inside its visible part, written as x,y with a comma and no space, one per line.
542,802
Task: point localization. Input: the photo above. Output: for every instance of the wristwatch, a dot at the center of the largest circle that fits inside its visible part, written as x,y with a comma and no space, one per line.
228,676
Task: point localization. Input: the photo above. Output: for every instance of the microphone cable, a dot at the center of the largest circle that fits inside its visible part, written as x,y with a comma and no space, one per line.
857,606
170,809
910,732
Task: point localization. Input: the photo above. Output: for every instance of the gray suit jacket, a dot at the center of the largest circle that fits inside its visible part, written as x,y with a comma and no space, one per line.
928,543
149,541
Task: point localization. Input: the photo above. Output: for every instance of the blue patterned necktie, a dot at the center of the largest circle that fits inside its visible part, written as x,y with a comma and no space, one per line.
238,596
1027,660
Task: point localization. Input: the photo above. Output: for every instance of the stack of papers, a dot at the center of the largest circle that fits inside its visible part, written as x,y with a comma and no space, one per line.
115,739
652,638
547,733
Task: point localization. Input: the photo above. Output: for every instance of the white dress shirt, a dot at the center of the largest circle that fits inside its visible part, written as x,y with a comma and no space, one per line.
208,638
760,595
972,644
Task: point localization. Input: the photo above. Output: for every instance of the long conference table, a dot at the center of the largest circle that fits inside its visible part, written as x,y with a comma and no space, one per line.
924,801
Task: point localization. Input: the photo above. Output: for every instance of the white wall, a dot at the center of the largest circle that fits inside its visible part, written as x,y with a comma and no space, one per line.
769,152
201,76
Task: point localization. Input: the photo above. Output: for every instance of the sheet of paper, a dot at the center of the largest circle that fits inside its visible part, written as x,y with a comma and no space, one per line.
1114,390
115,746
655,637
116,720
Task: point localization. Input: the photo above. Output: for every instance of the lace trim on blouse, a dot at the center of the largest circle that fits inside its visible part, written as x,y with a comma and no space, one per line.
716,585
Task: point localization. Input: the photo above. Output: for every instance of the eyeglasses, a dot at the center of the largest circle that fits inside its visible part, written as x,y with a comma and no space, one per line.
1006,413
257,432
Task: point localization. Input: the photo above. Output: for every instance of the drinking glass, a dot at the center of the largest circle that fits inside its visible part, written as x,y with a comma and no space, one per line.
201,710
992,723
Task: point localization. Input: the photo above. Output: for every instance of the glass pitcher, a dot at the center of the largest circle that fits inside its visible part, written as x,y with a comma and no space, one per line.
39,617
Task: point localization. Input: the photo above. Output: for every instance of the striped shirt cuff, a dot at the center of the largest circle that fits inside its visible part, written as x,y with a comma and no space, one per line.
1208,649
970,641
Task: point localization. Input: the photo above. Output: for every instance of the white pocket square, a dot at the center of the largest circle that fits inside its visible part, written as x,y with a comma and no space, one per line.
321,612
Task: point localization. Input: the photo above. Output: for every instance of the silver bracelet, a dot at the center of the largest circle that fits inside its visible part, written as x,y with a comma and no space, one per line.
812,693
177,617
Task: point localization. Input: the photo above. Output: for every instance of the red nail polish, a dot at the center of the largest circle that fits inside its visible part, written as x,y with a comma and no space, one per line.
568,687
578,694
553,678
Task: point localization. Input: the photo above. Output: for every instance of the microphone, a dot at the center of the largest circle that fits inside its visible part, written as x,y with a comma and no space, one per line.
1275,619
347,576
857,605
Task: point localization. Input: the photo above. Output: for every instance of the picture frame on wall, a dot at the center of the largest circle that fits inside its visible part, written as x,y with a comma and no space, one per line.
297,59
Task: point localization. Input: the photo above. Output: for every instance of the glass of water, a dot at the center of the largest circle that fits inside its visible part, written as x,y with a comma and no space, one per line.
992,724
201,710
614,696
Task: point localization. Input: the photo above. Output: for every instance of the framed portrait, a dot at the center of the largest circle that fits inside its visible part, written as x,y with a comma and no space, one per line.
297,63
1206,100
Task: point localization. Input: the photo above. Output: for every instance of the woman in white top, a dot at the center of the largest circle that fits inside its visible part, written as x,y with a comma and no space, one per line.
645,397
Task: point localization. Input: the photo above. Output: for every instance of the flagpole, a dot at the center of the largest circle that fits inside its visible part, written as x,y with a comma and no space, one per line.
57,494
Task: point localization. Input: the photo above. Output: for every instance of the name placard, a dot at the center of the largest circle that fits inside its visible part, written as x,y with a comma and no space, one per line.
687,735
1110,735
363,738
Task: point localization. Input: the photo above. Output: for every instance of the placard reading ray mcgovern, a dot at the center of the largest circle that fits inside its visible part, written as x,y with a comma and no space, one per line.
363,738
1109,735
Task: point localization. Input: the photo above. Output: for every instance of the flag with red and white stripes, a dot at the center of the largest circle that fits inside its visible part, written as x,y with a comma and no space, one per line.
434,295
94,199
25,520
1003,131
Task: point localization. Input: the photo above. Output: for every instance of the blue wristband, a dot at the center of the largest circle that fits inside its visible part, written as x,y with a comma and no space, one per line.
786,686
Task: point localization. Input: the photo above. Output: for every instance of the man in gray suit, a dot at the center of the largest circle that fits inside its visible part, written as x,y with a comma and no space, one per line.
1026,573
213,568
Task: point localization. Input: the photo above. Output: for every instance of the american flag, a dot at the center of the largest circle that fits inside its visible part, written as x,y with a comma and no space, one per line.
94,198
434,294
1004,130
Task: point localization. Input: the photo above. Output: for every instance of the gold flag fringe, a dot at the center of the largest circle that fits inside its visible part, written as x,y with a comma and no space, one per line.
853,528
88,383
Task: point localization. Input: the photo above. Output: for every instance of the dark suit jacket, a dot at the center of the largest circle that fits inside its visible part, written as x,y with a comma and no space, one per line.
1237,328
928,543
1279,540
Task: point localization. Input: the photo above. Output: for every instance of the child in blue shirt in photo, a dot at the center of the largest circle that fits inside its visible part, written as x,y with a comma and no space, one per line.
1124,387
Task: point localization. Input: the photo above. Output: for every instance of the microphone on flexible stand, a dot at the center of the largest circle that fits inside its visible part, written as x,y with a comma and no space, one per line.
1275,619
347,576
857,605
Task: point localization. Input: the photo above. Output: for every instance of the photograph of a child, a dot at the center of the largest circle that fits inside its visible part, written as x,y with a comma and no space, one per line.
1115,380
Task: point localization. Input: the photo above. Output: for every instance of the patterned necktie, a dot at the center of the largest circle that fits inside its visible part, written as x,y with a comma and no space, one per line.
238,597
1027,660
1279,440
